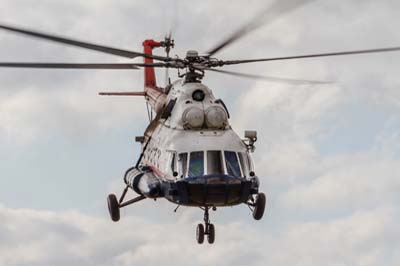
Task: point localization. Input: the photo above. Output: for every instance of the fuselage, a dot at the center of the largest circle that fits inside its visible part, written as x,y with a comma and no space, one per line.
194,143
190,154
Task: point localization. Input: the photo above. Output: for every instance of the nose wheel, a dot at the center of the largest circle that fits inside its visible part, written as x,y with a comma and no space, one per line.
208,229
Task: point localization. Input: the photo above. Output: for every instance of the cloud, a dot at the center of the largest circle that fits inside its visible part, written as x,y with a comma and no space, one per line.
347,183
76,112
30,237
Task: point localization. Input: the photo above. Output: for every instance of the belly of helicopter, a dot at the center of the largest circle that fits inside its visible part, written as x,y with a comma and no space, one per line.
210,190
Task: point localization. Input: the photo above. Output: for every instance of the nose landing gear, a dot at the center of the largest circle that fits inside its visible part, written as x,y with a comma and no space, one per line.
206,229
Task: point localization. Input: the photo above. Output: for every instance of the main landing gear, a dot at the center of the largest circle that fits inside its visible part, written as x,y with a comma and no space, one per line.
257,205
207,229
114,205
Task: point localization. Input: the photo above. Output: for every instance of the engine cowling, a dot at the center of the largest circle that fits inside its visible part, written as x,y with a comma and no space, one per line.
216,117
193,118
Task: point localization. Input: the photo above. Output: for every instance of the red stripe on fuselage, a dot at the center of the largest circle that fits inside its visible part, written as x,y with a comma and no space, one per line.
159,173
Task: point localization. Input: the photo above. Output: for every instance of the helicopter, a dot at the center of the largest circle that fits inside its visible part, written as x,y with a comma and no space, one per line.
190,154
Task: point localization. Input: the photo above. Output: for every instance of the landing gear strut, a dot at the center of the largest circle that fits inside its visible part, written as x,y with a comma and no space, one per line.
114,205
206,229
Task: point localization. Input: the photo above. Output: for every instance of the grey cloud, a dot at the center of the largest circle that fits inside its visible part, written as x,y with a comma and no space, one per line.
363,238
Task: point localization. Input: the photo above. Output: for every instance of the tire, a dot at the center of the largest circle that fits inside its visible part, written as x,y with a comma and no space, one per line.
200,233
211,234
113,207
259,207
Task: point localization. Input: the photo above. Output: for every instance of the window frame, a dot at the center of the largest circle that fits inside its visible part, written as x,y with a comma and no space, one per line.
183,174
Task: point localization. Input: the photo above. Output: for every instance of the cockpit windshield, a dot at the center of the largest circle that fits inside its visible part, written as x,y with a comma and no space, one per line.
244,162
232,164
214,162
196,164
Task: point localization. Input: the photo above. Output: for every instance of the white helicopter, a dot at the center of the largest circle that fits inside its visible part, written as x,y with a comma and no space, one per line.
190,154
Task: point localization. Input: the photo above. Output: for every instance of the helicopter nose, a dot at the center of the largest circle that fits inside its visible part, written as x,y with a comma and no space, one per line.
215,190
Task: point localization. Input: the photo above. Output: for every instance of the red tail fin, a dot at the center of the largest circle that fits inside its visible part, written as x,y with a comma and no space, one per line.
154,95
149,75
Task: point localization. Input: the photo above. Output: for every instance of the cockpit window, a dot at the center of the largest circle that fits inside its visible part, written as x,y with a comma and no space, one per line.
244,163
196,164
214,162
182,159
232,164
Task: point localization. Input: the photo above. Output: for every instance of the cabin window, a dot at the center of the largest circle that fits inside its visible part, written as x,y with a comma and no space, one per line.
232,164
182,160
244,163
214,162
196,164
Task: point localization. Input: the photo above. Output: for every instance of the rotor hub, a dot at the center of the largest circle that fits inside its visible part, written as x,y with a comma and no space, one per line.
192,55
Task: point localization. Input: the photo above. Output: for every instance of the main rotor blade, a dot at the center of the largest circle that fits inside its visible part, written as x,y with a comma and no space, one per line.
279,7
90,46
380,50
270,78
79,66
124,93
69,66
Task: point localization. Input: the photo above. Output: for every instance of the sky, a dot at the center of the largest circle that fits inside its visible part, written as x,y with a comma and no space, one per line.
328,156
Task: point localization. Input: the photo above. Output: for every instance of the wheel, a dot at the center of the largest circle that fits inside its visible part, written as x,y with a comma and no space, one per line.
259,207
113,207
211,233
200,233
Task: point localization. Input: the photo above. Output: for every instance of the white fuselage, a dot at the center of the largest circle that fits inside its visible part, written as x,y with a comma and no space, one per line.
194,128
